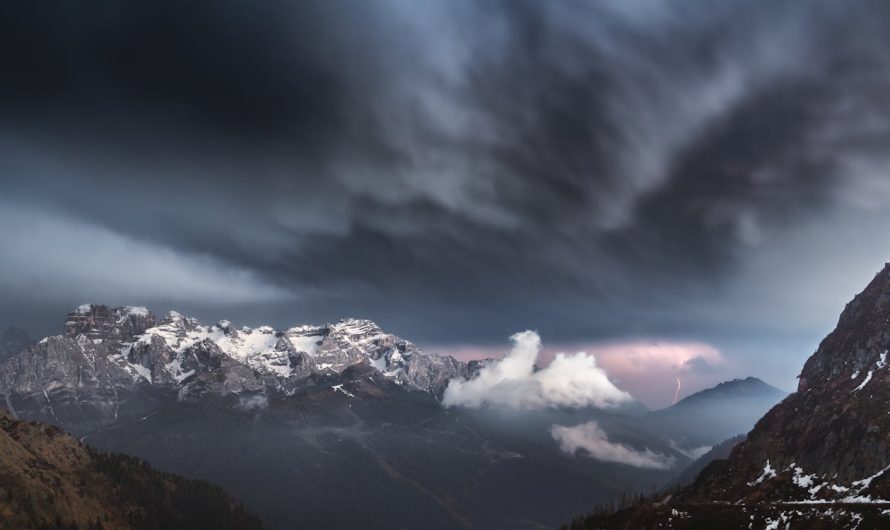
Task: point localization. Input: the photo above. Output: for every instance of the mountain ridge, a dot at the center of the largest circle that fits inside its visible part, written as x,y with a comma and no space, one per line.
747,387
103,353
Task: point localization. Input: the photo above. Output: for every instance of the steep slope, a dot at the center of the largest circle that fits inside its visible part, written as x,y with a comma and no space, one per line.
821,456
715,414
49,480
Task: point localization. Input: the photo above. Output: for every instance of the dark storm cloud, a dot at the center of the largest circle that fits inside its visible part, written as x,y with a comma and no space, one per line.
453,169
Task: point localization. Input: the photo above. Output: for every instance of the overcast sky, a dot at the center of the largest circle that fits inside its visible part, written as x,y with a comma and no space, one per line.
713,174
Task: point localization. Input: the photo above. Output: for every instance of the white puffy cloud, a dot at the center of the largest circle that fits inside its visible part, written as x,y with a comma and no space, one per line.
568,381
591,439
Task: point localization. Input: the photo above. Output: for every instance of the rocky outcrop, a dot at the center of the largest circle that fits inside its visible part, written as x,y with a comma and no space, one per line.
102,322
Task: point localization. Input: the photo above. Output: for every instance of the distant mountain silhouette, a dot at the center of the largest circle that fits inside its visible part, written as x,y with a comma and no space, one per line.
747,388
712,415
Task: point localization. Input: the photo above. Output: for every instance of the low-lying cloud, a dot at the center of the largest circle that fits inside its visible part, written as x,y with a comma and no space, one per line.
694,453
251,403
568,381
593,441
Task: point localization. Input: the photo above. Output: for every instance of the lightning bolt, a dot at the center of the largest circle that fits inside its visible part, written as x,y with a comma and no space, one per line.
677,392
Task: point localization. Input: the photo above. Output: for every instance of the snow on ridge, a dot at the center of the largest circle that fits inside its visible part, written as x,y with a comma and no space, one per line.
252,347
141,371
267,350
174,368
880,364
813,484
866,482
339,388
307,344
805,481
768,473
864,382
306,329
379,364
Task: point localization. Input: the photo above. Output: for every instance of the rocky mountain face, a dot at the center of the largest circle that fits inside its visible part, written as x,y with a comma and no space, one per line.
50,480
821,457
13,341
103,355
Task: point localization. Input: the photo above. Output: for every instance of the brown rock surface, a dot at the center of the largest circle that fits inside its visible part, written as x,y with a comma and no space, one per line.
49,480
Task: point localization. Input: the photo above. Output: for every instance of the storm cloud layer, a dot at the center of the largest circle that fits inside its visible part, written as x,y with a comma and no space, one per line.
454,170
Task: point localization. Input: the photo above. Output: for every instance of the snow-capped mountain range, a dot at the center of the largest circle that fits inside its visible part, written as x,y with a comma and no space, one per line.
104,350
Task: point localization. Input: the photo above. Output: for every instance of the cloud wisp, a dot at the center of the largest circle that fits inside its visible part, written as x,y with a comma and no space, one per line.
592,440
65,259
252,403
568,381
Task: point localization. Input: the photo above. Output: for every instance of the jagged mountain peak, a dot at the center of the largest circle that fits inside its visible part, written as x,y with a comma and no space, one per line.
97,320
100,322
